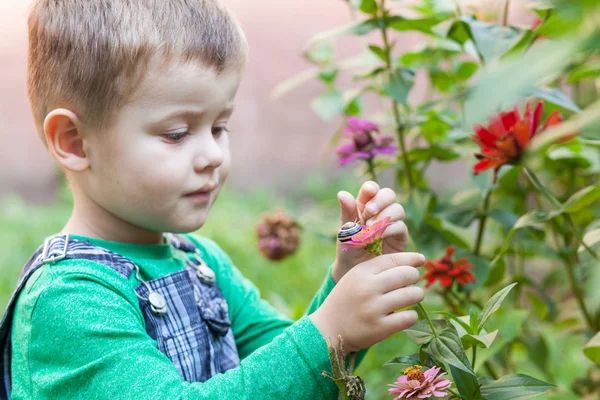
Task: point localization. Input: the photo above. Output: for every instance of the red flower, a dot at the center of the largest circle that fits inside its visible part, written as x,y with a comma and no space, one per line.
508,135
447,271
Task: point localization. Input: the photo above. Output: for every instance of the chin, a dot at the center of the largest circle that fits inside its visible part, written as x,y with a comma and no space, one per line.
188,226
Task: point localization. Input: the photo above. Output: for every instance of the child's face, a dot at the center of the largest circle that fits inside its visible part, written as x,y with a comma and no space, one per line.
167,143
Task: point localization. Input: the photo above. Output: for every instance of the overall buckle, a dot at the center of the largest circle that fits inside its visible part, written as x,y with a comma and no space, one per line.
54,259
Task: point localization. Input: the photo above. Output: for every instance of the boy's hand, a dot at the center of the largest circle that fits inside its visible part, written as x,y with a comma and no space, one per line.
372,204
361,306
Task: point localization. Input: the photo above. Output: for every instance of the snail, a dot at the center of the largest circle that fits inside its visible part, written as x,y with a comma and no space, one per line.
348,230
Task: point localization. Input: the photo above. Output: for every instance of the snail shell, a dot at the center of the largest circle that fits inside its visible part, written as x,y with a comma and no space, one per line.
348,230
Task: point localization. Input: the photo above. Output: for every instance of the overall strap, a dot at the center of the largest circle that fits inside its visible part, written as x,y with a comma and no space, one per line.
55,248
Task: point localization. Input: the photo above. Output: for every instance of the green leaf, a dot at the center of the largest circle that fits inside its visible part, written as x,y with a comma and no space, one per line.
447,348
481,270
466,70
532,218
555,26
554,96
436,152
398,84
420,333
455,234
379,52
368,7
434,129
403,24
473,318
510,80
483,340
582,199
540,307
328,75
506,218
355,28
416,207
328,105
491,40
493,305
592,349
590,69
403,360
320,53
513,387
467,384
456,319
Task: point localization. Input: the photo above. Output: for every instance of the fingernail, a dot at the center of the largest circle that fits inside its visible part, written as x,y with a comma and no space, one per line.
371,187
422,258
372,208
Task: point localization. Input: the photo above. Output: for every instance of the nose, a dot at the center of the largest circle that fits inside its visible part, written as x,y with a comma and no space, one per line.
209,153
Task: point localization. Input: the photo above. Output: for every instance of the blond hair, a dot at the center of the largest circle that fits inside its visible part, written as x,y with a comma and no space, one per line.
90,55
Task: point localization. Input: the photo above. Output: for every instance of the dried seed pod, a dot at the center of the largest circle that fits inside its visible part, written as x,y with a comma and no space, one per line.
278,235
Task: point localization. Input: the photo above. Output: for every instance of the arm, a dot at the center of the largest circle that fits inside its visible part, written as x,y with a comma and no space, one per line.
85,340
254,321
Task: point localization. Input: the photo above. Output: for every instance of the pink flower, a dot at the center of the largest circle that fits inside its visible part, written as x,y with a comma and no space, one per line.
369,234
366,142
420,385
369,238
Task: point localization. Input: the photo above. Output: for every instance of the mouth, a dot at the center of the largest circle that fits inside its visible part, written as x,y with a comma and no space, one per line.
202,194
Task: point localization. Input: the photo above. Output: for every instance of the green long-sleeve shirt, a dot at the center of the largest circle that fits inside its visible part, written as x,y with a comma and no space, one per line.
78,332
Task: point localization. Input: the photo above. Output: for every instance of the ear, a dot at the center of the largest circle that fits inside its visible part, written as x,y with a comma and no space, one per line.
65,139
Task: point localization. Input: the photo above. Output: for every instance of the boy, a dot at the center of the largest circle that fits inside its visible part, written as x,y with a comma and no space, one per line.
132,99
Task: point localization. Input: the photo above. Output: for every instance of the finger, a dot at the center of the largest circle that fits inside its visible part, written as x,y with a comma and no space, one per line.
400,298
399,321
395,211
395,238
384,197
348,211
367,191
382,263
398,277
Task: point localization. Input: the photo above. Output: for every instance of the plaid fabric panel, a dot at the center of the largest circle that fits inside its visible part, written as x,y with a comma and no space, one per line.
180,333
214,310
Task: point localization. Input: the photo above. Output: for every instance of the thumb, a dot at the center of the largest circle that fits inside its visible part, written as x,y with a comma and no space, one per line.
348,211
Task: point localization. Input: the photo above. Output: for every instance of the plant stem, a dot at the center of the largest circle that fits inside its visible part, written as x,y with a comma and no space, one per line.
482,221
371,168
474,357
454,393
395,106
578,294
506,7
420,306
550,197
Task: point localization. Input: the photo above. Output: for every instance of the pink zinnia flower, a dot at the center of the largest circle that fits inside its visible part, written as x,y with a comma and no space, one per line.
366,142
418,385
369,238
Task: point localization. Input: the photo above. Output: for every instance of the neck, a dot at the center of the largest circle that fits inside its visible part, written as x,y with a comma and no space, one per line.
92,220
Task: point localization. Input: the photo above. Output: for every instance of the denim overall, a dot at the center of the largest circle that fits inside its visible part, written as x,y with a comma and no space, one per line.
185,311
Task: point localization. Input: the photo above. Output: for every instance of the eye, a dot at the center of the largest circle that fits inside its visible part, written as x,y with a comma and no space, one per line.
176,137
219,130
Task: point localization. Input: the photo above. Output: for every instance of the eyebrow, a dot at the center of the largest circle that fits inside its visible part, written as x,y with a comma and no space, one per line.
191,113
